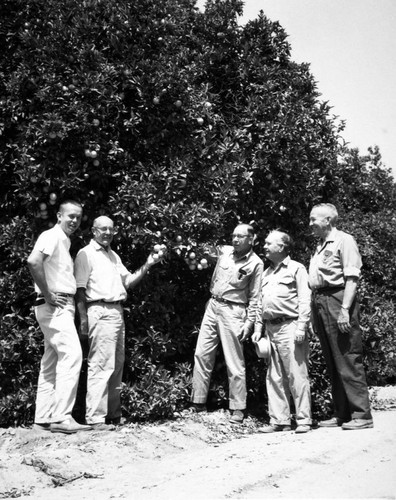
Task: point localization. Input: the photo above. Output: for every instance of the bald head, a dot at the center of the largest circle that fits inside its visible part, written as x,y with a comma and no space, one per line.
103,230
102,220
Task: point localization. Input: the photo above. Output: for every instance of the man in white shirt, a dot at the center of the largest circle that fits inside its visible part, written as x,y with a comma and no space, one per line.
51,266
102,284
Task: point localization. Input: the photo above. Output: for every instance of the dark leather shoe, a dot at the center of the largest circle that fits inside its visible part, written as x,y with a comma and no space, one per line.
331,422
197,407
274,428
119,421
358,423
69,427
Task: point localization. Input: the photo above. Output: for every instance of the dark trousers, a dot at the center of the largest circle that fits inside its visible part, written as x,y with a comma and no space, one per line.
343,353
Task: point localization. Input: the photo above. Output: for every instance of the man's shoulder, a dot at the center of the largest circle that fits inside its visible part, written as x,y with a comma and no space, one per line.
255,258
344,237
51,235
294,265
86,250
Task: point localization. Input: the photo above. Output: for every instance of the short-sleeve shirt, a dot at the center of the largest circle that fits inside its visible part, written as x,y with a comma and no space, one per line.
58,264
238,279
101,273
335,259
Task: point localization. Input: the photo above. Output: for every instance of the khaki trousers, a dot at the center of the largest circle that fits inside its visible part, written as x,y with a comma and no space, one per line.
106,356
223,323
287,375
60,365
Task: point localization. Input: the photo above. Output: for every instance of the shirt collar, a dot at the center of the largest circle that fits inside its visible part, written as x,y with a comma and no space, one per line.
63,235
330,237
246,256
98,247
283,262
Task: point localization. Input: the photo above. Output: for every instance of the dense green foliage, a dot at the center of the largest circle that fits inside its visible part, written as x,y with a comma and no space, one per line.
175,123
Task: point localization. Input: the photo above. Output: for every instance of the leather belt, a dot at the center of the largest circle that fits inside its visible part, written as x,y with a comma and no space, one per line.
279,319
225,301
327,289
61,294
41,300
109,302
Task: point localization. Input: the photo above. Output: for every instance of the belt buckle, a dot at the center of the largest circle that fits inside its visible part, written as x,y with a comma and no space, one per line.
278,320
219,299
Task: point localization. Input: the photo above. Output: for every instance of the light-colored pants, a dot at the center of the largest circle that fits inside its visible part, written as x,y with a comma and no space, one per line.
223,323
105,362
287,375
60,365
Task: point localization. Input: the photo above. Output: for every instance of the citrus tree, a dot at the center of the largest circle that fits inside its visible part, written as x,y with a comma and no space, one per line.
176,123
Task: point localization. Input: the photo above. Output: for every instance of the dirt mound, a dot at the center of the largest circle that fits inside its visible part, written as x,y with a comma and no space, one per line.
138,457
35,459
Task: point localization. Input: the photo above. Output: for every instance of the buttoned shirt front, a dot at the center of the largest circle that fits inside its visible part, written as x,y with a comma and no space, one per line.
335,258
101,272
58,264
238,279
285,293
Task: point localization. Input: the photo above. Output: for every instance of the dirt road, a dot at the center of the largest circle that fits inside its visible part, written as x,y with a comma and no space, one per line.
200,457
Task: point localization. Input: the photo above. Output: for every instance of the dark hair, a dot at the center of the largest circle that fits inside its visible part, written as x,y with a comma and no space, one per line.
249,228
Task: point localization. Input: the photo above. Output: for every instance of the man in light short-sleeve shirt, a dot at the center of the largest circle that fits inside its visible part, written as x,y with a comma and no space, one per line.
333,277
102,283
51,266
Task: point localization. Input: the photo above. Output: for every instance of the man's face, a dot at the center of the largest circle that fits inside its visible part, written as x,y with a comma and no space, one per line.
103,232
319,222
273,247
69,218
241,240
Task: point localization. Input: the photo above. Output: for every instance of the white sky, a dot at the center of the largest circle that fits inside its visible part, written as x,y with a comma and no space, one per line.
351,48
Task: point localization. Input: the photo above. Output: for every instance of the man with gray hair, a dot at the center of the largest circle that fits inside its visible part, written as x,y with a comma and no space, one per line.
284,308
333,277
102,284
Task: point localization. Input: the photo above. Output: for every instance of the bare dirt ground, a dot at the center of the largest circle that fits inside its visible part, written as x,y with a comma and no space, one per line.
203,457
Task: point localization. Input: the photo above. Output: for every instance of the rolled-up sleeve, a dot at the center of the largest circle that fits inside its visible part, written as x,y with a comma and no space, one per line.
304,297
350,256
258,325
254,293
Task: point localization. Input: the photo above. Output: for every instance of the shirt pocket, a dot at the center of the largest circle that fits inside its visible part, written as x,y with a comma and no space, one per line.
240,277
286,286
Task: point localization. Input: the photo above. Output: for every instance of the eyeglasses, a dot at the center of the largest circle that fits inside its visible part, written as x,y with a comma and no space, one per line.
111,230
240,236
